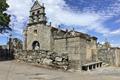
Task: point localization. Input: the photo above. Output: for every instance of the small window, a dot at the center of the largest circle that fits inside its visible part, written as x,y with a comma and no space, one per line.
38,12
35,31
33,13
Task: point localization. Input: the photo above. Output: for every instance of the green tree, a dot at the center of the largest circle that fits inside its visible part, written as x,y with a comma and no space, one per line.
15,43
4,17
18,43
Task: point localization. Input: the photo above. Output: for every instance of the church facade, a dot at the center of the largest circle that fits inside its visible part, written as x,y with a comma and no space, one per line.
81,47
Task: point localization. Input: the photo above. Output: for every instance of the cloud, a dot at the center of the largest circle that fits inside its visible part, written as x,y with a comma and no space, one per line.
58,12
115,45
19,10
115,32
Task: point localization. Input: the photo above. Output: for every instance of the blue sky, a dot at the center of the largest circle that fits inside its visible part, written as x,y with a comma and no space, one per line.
100,18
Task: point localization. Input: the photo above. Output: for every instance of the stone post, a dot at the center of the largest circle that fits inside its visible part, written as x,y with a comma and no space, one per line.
88,68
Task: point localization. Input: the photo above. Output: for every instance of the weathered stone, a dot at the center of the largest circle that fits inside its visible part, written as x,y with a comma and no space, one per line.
49,53
41,57
38,61
29,60
59,59
47,61
48,57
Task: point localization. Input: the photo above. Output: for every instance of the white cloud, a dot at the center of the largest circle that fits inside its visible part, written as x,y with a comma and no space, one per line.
19,9
115,32
88,20
58,12
115,45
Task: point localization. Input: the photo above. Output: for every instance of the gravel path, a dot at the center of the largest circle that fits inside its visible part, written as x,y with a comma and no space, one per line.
10,70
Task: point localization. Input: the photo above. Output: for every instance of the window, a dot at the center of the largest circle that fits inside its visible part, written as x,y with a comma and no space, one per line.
35,32
33,13
38,12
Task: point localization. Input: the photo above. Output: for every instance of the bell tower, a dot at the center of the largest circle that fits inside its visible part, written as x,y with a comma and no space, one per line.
37,33
37,14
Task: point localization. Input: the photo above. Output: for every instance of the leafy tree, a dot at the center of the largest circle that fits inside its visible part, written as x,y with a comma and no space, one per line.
18,43
4,17
15,43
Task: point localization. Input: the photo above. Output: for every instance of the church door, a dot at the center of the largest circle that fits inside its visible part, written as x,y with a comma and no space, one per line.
35,45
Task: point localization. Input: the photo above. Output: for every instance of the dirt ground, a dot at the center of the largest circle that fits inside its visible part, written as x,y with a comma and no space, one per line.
10,70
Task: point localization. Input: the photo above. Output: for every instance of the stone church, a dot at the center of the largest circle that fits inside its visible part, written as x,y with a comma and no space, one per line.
80,47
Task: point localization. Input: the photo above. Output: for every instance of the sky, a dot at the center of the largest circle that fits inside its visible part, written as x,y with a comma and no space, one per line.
100,18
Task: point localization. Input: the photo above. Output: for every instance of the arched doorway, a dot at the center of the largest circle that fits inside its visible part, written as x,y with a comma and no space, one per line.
35,44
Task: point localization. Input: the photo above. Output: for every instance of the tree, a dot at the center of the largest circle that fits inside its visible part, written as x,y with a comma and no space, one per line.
4,17
15,43
18,43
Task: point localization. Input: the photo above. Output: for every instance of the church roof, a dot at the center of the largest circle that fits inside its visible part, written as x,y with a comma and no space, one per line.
36,5
78,34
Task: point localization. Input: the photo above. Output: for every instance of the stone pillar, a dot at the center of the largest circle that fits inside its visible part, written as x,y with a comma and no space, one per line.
96,66
88,68
93,66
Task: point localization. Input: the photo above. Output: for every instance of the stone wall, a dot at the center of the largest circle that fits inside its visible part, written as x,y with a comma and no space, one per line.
72,46
48,58
78,48
43,36
117,57
110,56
